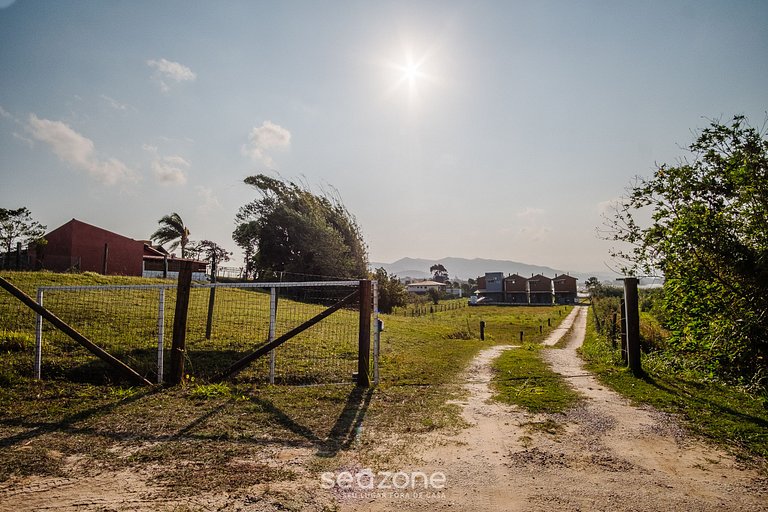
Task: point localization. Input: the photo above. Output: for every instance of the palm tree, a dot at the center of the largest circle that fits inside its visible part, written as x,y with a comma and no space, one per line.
172,229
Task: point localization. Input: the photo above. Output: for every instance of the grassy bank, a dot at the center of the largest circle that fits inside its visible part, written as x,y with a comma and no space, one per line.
724,414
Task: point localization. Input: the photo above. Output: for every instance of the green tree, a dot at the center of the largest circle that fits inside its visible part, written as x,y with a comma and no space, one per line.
708,235
289,228
392,293
439,273
17,226
434,295
207,250
172,231
246,236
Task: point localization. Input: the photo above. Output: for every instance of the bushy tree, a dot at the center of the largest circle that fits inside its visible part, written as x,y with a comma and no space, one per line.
439,273
392,293
708,236
17,226
289,228
207,250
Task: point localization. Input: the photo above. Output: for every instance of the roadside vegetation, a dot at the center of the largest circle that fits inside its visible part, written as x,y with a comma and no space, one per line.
729,415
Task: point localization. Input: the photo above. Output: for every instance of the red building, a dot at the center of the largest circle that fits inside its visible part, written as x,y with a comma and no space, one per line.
516,289
84,247
540,289
565,289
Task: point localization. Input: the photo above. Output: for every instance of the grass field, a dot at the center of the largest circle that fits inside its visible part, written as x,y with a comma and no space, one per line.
204,430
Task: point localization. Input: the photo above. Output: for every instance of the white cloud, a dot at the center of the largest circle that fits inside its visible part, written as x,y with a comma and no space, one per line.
530,213
533,226
168,71
170,170
116,104
26,140
78,151
5,114
208,201
266,137
608,206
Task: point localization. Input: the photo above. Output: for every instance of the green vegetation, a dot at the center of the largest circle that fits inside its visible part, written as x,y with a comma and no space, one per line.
172,231
205,430
291,229
726,414
524,379
17,226
392,293
708,236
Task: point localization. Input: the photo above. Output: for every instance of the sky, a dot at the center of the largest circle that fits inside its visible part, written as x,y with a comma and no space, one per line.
473,129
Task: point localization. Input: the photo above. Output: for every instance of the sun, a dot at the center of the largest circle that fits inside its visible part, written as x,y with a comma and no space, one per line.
410,74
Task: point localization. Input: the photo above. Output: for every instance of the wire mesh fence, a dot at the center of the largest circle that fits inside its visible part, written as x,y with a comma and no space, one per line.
225,321
417,310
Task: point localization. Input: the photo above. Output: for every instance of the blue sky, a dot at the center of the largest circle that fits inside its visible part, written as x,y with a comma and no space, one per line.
468,129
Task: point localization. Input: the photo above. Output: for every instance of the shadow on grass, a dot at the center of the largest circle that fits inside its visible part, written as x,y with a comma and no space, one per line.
66,424
341,435
678,390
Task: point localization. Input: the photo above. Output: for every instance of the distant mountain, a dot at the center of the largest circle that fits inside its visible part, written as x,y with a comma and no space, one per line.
462,268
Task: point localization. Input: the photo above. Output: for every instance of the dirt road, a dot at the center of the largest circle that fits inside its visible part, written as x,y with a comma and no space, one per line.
604,455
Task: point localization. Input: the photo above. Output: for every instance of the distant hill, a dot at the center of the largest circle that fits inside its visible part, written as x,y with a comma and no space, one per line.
462,268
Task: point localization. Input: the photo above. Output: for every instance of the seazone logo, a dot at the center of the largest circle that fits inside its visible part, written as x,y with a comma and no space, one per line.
367,480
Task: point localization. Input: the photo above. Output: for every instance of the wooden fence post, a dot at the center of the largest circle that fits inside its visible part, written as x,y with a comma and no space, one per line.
178,347
104,265
482,330
623,311
211,299
633,325
364,336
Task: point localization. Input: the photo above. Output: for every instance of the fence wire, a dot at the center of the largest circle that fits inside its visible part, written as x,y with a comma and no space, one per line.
224,323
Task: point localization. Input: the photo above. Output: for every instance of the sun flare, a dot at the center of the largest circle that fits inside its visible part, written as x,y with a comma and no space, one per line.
411,75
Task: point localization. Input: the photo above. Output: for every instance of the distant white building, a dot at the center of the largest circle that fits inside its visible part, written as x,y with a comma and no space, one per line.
422,287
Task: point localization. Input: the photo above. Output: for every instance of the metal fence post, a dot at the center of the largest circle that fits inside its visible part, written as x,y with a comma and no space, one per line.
160,334
39,340
272,325
364,334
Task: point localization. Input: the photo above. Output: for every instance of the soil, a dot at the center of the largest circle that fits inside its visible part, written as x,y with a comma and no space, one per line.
605,454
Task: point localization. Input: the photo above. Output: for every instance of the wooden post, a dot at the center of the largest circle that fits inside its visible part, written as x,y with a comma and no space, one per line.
521,336
165,266
482,329
613,330
106,258
364,334
211,299
623,331
178,347
18,255
633,325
